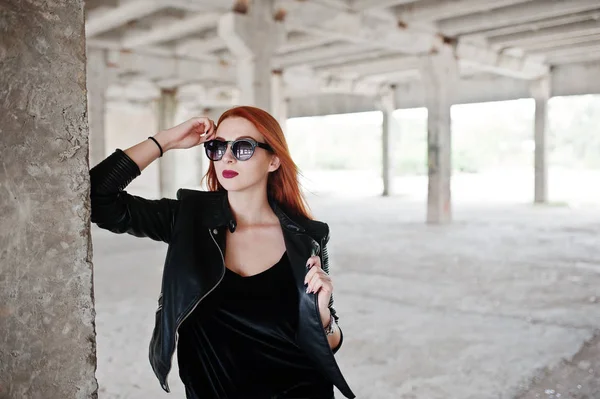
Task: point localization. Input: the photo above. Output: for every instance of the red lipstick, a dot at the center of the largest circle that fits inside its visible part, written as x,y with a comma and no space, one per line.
228,174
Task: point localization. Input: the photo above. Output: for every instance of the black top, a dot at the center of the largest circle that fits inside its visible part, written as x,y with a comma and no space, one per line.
240,341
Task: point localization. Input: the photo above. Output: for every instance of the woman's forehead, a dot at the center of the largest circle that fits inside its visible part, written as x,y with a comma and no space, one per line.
234,128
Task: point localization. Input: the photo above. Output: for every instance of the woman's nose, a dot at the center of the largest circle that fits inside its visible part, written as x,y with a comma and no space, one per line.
228,156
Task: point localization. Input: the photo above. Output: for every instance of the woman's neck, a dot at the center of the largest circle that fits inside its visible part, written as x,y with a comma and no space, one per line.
251,208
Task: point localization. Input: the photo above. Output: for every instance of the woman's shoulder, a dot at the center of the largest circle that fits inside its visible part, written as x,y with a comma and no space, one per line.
318,229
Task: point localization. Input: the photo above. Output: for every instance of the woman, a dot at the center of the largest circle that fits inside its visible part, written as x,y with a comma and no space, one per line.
246,297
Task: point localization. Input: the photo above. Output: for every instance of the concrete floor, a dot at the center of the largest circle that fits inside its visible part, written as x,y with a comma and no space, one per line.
500,304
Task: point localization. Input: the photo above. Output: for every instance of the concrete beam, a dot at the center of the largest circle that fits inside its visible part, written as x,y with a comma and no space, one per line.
332,51
162,52
330,104
518,14
214,43
373,67
540,24
302,82
520,67
204,46
575,58
153,67
577,79
433,10
361,5
573,79
358,28
349,58
569,50
102,20
302,43
547,35
214,97
568,41
135,92
171,31
375,31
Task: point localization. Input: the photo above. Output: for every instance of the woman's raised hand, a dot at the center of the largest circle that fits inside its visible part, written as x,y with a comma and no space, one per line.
188,134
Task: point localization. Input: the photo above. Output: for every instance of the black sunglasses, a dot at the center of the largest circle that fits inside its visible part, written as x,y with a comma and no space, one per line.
242,149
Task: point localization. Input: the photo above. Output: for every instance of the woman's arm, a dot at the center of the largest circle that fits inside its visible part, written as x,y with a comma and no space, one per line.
116,210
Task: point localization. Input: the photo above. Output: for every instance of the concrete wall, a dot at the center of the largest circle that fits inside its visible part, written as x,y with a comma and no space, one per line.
47,337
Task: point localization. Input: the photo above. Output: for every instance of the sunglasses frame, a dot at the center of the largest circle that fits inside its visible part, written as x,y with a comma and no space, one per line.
252,142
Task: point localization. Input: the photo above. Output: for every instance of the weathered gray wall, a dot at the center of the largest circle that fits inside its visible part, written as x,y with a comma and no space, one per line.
47,334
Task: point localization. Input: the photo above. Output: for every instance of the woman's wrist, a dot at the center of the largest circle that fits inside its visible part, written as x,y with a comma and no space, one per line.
325,317
163,140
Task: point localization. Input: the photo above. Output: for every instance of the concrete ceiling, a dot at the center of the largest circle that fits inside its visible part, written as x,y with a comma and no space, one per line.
344,46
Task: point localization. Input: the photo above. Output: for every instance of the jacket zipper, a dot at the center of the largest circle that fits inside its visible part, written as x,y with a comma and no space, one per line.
197,302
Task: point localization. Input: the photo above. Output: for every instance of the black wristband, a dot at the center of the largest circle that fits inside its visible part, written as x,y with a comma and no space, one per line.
159,147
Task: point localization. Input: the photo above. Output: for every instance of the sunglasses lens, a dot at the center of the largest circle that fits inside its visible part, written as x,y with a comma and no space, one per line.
215,149
243,150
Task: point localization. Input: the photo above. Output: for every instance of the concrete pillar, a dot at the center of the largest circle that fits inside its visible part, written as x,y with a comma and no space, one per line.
47,334
540,90
440,77
252,34
97,83
387,104
167,165
279,107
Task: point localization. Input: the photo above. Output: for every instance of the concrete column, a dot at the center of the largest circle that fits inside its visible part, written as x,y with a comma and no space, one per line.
252,34
387,103
47,334
189,164
440,77
167,175
279,108
540,90
97,83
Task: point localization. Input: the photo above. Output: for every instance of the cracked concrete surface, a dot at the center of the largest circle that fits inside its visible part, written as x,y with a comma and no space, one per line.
499,304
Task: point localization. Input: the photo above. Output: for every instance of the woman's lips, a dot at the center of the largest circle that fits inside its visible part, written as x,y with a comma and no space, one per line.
228,174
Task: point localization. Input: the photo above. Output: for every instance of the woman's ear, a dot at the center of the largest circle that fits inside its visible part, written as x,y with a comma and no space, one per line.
274,164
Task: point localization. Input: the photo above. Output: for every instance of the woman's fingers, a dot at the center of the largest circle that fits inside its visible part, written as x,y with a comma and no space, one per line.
313,261
316,277
313,264
317,281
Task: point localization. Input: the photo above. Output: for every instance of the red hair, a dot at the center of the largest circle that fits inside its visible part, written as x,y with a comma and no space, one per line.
282,184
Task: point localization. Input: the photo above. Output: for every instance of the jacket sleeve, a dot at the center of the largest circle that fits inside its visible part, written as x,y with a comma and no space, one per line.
325,265
116,210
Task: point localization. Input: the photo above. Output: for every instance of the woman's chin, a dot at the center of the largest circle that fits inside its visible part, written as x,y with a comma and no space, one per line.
230,184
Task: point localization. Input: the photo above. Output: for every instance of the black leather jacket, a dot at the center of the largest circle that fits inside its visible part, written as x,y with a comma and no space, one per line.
194,226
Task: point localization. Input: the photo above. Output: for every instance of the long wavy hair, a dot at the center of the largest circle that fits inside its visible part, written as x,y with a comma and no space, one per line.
282,184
